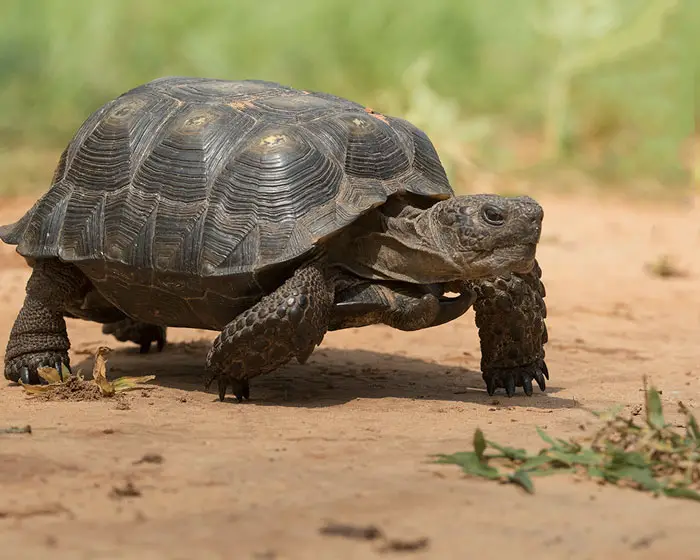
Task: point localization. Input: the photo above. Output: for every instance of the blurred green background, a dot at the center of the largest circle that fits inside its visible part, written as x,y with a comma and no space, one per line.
541,90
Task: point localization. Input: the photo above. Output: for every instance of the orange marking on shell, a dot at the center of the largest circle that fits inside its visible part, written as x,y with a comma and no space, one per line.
376,115
241,104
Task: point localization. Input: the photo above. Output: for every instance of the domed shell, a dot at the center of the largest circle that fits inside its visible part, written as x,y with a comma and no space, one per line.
214,178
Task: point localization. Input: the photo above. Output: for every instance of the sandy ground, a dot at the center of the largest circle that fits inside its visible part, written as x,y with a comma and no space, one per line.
347,438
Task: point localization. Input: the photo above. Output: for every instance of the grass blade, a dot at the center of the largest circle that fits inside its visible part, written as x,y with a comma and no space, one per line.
655,413
682,493
479,444
128,383
509,452
545,437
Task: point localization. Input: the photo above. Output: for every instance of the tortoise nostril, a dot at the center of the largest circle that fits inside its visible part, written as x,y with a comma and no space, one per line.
536,215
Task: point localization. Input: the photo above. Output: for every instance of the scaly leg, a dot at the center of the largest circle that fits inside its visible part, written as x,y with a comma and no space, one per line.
38,337
405,307
290,322
510,315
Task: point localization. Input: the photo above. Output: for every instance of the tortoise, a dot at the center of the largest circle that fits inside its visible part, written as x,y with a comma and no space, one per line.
272,215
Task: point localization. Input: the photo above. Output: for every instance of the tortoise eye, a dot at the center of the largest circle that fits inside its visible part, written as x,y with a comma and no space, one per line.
493,215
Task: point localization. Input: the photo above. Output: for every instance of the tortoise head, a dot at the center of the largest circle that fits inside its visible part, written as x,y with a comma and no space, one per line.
487,235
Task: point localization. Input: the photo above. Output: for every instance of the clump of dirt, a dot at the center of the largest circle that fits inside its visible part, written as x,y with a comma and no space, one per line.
75,389
65,386
666,267
373,533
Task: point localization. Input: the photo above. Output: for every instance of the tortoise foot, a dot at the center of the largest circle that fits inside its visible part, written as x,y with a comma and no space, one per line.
239,387
25,368
521,376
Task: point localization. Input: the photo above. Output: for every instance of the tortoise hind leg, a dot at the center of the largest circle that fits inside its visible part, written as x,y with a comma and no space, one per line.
143,334
39,337
288,323
94,307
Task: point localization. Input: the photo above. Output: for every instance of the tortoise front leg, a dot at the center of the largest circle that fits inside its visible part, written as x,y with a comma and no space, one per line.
38,337
404,307
288,323
510,315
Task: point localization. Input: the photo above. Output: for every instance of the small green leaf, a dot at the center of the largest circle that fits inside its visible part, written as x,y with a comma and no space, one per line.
552,470
626,458
682,493
509,452
535,462
596,472
559,444
640,475
544,436
471,464
567,459
522,479
453,459
589,457
568,446
691,428
584,457
655,413
479,444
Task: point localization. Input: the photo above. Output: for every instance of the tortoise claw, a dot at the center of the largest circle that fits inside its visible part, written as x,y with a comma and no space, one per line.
539,377
223,386
241,389
491,385
509,385
24,375
522,376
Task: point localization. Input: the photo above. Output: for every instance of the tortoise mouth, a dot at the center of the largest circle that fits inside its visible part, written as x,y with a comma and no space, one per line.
528,252
517,258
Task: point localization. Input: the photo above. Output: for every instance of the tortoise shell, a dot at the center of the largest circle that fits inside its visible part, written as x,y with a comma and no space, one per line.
192,178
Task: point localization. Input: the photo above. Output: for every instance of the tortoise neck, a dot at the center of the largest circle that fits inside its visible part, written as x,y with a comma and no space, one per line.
404,247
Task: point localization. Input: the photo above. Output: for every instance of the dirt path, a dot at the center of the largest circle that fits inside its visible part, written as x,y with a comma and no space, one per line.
346,438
